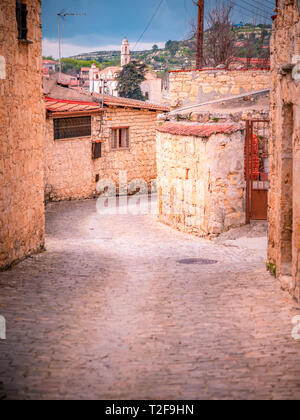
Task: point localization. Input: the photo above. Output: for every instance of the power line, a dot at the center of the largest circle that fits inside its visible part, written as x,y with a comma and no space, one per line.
258,8
147,27
253,13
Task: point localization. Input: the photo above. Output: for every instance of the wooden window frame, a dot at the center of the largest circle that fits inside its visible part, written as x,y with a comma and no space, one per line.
112,140
59,121
97,149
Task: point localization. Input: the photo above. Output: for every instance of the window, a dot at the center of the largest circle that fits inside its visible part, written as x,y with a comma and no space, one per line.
96,150
120,138
21,15
66,128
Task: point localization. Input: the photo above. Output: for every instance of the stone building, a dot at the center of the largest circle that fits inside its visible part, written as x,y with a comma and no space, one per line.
201,182
202,178
86,144
284,198
189,87
152,87
21,131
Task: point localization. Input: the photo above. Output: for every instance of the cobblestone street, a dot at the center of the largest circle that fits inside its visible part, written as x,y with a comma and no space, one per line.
109,312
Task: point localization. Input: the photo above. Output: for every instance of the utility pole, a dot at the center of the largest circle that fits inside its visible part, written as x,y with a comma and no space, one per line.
63,15
200,34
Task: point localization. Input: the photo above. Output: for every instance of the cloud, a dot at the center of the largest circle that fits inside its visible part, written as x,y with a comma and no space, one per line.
50,47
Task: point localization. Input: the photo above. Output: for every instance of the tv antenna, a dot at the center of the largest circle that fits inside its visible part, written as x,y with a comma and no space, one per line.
62,15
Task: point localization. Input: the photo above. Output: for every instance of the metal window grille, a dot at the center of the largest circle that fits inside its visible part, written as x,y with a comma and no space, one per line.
21,15
120,138
66,128
96,150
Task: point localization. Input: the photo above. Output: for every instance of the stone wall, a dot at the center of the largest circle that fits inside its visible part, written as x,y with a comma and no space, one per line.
70,171
196,87
201,183
21,135
284,197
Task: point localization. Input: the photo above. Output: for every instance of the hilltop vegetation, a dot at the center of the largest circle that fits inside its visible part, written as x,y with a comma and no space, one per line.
250,41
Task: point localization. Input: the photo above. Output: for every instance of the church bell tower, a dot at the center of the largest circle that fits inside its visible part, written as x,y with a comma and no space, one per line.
125,53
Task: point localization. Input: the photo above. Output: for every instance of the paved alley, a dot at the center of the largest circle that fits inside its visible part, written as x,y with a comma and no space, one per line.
112,311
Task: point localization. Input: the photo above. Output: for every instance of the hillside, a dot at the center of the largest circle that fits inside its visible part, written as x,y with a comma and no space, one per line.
181,54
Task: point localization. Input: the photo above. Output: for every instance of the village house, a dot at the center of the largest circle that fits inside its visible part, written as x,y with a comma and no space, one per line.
87,143
22,123
85,73
49,66
284,198
109,75
204,179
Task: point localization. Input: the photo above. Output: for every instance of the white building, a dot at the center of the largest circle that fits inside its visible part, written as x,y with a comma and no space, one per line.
151,87
125,53
95,80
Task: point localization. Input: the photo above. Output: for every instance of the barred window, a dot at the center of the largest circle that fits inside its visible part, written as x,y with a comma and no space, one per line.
66,128
120,138
21,15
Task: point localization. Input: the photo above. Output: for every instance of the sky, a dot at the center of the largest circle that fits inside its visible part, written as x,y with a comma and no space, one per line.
107,22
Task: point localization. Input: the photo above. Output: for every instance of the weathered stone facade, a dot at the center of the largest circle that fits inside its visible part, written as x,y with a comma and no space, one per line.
70,171
201,183
284,197
200,86
21,135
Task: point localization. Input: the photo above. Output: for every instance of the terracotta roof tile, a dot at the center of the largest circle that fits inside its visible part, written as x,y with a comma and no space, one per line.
199,130
59,105
132,103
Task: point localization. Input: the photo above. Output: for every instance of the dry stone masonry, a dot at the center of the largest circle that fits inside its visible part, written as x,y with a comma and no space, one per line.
70,171
21,135
284,198
201,182
199,86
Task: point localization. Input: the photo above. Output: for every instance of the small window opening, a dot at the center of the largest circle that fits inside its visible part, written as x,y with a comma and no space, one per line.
96,152
120,138
21,15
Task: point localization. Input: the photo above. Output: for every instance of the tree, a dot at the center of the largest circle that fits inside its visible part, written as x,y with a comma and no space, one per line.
155,48
220,38
130,79
172,47
48,58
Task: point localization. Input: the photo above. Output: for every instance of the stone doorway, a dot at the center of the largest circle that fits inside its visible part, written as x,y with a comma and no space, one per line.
257,169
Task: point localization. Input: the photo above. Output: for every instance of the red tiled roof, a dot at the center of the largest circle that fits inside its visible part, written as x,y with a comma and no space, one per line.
199,130
132,103
59,105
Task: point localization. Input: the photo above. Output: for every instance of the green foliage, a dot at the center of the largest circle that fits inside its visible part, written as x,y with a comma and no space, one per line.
155,48
172,47
130,79
73,67
48,58
272,268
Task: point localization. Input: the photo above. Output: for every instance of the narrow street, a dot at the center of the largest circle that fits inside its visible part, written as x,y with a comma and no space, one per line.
109,311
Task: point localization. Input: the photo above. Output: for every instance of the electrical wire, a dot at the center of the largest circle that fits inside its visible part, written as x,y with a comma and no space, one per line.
253,13
256,7
149,24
